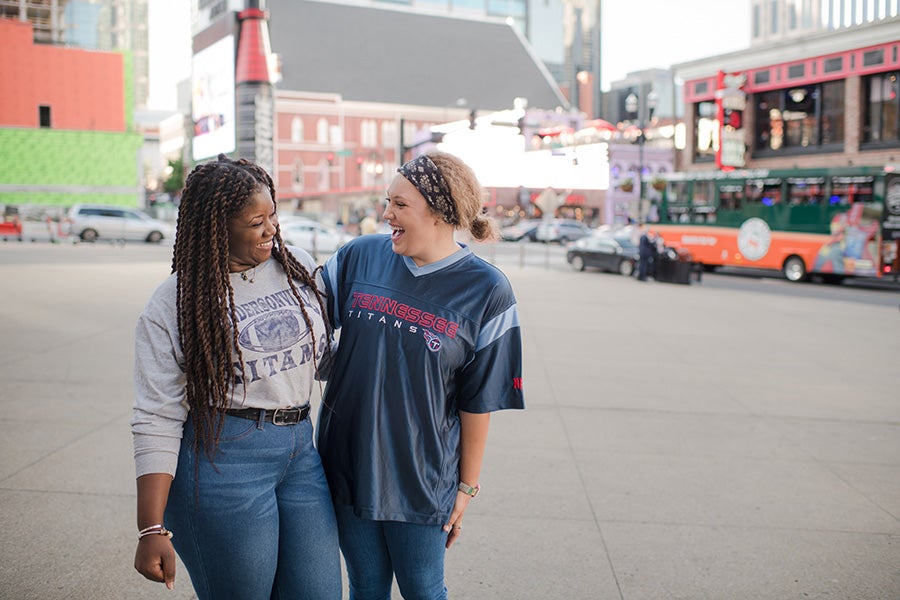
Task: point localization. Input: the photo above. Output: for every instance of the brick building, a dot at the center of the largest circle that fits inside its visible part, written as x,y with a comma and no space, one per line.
829,101
352,76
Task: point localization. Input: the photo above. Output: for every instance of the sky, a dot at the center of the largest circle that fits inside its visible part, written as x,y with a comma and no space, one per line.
170,50
638,34
644,34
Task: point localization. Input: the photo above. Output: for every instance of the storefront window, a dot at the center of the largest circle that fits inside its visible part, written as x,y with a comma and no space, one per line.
769,123
297,176
881,109
799,118
706,133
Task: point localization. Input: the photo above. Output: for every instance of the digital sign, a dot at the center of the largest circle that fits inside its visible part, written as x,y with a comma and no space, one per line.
212,99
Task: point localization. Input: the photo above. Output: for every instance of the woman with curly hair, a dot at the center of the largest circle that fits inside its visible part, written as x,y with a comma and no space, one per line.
225,363
429,346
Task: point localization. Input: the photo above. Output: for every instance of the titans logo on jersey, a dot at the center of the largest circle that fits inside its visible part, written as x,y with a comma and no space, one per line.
432,341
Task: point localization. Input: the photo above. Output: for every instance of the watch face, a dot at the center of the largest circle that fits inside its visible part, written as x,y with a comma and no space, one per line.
754,238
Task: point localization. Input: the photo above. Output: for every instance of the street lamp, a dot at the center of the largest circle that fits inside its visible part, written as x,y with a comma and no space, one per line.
641,106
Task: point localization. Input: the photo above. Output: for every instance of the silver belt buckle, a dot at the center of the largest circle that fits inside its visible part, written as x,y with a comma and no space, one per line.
278,417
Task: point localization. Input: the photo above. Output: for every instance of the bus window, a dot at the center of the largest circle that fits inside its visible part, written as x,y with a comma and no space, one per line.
678,191
677,196
764,191
703,202
704,213
703,192
731,196
806,191
846,190
678,214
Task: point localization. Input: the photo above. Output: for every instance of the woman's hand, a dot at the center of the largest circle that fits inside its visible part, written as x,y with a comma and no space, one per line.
454,525
155,559
155,555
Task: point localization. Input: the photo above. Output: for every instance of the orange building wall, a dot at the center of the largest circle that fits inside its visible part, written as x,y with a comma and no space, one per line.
84,89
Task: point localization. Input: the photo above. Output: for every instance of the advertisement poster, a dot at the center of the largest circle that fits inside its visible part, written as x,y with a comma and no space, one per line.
212,100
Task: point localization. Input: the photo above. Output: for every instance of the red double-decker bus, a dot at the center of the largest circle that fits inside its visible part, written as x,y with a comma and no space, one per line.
833,222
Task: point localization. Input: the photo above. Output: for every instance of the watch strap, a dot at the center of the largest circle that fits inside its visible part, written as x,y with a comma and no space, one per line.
468,489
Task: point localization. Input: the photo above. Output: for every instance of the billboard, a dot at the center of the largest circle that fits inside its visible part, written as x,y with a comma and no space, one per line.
212,99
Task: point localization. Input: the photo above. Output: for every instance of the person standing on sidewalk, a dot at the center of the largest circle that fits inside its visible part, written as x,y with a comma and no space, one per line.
647,255
429,346
225,358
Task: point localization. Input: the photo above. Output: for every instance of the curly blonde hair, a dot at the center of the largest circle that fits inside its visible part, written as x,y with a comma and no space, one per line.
468,195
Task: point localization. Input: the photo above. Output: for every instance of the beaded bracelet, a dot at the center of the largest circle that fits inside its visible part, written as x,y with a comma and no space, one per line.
155,530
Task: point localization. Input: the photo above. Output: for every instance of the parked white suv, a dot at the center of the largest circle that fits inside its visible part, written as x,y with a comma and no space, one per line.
91,222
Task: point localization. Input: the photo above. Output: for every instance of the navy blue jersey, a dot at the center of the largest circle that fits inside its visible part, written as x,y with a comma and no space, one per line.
416,345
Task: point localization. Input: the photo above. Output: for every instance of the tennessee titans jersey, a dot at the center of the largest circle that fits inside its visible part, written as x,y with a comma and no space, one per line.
416,345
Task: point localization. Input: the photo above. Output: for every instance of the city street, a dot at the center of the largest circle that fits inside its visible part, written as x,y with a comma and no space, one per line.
736,439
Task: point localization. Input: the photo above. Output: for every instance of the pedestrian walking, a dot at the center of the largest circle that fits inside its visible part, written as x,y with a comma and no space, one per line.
429,346
225,357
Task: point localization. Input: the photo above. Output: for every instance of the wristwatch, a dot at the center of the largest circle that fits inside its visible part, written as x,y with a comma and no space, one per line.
468,489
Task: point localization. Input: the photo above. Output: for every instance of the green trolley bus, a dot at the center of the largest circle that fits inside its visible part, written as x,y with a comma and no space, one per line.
833,222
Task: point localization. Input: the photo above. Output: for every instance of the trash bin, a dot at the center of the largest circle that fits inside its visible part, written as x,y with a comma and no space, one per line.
673,267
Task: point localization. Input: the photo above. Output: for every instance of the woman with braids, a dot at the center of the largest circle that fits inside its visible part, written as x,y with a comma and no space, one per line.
429,347
225,356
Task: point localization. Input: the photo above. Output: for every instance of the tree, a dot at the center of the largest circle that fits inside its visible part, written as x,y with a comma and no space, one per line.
174,181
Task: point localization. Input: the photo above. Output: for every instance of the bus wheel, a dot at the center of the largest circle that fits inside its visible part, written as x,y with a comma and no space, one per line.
794,269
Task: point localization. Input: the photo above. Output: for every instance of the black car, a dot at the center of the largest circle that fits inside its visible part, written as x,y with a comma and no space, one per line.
616,254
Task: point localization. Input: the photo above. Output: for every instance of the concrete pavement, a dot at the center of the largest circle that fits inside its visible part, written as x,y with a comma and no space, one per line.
679,442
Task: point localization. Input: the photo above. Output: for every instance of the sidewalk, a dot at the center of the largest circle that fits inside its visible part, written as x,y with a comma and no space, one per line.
679,442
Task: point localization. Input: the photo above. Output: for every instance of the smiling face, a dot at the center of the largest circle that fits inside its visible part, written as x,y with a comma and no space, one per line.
251,232
417,232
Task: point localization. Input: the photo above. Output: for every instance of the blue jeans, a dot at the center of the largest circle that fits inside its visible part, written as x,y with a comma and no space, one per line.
377,550
259,523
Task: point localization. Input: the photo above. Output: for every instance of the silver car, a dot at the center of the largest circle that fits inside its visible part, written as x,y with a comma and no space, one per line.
312,236
561,230
91,222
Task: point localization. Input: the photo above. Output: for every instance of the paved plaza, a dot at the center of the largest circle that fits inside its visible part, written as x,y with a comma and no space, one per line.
679,442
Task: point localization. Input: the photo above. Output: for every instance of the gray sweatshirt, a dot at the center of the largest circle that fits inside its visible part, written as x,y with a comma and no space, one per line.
275,343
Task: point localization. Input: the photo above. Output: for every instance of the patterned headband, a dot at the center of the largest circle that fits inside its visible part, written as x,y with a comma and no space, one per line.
424,174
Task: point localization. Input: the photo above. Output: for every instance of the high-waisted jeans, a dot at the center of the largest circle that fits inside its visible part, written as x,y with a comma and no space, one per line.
257,524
